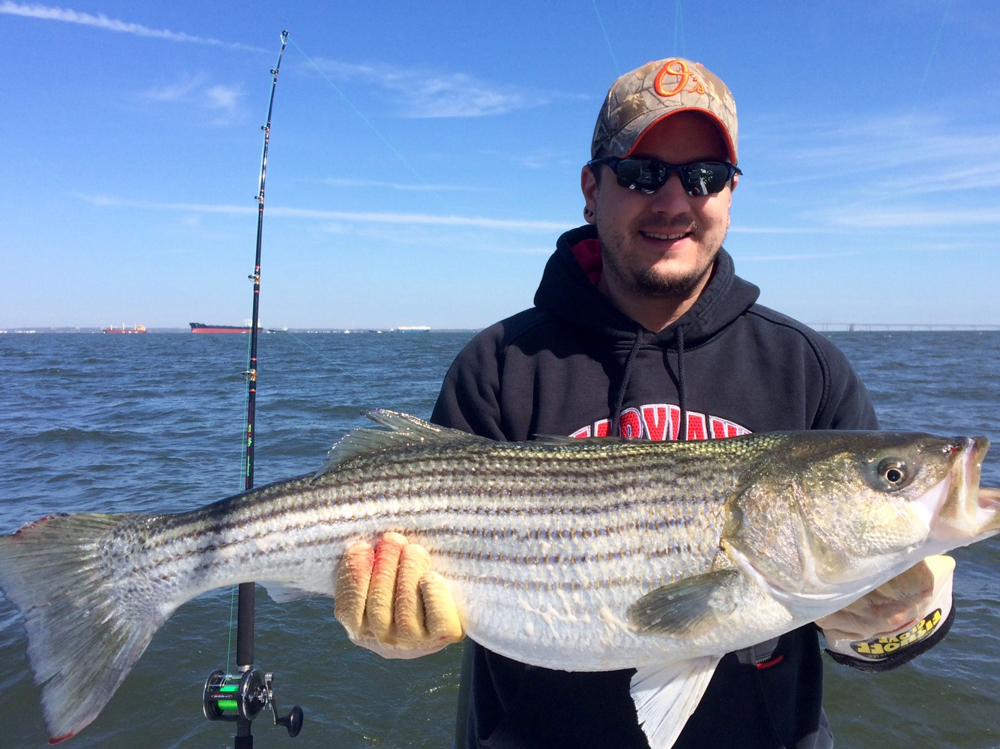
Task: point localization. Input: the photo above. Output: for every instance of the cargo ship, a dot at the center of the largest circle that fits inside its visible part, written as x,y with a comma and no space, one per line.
123,329
200,327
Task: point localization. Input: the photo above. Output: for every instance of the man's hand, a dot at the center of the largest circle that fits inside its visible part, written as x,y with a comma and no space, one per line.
907,610
391,602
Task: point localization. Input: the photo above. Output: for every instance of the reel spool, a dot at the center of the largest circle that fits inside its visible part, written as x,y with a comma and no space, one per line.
232,696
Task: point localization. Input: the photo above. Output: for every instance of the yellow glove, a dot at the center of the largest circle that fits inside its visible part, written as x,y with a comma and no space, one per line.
391,602
896,621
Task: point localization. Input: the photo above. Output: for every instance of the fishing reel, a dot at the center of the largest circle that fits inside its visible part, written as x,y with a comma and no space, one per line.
234,696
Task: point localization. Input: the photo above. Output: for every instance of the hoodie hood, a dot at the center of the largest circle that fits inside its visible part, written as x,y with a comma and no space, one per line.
568,290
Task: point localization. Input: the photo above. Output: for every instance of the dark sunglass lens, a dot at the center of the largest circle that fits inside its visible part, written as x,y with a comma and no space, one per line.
641,174
704,178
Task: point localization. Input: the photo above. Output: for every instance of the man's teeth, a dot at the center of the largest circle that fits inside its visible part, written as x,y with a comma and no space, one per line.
664,236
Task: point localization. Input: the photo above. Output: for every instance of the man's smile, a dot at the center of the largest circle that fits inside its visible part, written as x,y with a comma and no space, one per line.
667,237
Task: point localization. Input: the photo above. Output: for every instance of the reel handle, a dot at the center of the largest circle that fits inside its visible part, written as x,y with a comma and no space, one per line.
292,722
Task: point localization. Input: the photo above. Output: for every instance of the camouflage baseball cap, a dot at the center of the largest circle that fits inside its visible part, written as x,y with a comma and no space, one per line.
656,90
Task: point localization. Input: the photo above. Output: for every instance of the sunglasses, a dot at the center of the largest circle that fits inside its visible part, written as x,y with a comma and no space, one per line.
649,175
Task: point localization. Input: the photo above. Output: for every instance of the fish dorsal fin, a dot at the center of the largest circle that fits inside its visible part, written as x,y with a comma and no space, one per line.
403,431
666,694
688,607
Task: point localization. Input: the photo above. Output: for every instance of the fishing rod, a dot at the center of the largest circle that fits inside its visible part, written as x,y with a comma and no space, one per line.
240,697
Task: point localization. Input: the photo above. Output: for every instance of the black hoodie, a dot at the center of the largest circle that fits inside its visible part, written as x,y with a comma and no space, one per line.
574,364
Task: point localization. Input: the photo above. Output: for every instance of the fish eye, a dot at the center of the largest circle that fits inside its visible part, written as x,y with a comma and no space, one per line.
893,472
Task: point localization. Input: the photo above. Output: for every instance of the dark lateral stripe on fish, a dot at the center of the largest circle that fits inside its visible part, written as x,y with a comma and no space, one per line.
555,559
266,510
568,586
481,557
450,530
499,579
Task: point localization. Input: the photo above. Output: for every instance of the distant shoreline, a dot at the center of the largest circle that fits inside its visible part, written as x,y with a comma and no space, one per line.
386,331
820,327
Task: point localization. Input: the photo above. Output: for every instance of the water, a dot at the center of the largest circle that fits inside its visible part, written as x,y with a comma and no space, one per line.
153,423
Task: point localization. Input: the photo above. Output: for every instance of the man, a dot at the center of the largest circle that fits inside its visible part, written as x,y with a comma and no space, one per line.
641,328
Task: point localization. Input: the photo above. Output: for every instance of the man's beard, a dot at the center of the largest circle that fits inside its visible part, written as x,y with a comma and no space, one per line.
649,284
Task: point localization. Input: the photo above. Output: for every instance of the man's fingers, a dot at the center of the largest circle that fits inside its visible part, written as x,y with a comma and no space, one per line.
390,601
414,561
941,565
440,613
353,578
896,603
908,595
382,589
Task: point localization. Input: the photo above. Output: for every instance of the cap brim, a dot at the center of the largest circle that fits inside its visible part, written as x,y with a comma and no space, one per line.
720,126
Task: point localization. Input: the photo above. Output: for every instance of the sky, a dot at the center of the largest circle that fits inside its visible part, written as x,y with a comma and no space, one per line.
424,157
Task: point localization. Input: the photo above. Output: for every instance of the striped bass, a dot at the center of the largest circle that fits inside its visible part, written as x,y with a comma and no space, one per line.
583,555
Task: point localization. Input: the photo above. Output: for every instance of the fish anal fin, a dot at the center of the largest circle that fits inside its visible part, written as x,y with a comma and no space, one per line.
688,607
320,584
666,695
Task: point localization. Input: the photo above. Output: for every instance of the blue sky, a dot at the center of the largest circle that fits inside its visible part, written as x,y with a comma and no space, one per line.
424,157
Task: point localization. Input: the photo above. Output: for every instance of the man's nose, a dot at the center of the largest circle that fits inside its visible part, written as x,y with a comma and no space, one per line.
671,198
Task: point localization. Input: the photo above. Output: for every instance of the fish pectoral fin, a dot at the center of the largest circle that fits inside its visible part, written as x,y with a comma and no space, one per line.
666,694
687,607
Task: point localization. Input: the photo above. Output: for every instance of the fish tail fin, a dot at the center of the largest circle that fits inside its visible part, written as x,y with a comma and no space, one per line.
87,615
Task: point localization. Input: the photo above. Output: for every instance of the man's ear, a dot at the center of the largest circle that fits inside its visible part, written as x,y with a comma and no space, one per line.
589,188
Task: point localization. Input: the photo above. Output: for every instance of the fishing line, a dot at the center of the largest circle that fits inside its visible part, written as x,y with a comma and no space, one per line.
368,122
893,164
920,89
606,39
243,447
679,28
378,396
232,609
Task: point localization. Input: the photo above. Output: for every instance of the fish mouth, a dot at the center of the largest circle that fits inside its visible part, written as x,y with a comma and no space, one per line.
969,512
989,508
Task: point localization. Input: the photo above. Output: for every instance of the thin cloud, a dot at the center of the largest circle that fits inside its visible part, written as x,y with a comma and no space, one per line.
173,92
426,94
222,97
920,173
538,159
425,219
220,100
779,230
347,182
915,155
804,256
224,100
101,21
906,218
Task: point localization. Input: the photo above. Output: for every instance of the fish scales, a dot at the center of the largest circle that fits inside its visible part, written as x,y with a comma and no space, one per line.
571,554
564,521
509,528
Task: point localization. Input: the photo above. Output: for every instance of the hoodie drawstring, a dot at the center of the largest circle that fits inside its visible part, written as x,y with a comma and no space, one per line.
626,376
681,394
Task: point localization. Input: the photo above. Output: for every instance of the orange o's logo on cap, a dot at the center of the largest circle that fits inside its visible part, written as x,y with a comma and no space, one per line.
685,75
